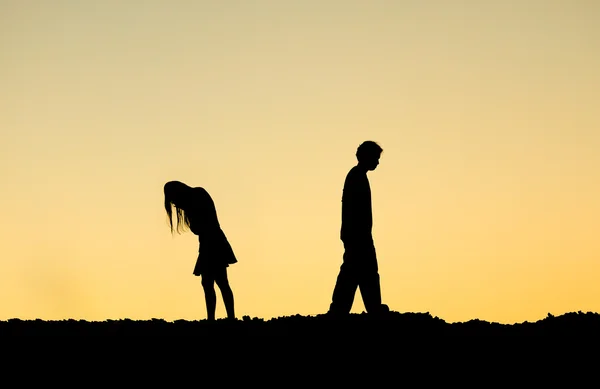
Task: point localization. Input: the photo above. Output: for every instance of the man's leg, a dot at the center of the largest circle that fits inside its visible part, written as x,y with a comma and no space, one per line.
345,287
369,283
370,290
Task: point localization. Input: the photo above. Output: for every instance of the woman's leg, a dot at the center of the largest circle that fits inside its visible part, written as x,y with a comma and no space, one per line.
208,284
226,292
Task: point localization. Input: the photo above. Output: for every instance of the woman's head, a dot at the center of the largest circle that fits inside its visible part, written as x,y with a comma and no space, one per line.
177,195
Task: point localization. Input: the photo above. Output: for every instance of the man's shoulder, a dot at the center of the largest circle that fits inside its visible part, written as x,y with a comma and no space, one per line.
355,174
356,181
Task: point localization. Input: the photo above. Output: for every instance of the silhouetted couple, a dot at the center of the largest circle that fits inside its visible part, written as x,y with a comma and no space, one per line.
195,209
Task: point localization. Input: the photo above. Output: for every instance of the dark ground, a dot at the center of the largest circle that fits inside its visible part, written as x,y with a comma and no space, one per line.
393,325
414,350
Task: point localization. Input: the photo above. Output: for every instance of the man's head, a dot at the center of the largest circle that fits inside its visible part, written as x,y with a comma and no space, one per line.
368,154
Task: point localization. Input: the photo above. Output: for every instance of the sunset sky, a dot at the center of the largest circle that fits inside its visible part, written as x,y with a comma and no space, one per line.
486,202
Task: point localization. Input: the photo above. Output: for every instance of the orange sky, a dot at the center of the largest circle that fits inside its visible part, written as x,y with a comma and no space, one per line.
486,201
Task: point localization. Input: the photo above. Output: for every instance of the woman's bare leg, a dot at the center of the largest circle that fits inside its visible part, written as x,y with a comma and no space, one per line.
226,292
208,284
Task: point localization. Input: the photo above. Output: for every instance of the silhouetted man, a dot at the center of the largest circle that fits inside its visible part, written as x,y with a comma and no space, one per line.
359,267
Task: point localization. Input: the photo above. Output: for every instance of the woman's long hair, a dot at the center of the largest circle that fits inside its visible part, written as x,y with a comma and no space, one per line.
175,190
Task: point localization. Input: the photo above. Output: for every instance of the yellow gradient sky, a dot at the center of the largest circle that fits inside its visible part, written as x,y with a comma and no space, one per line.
486,201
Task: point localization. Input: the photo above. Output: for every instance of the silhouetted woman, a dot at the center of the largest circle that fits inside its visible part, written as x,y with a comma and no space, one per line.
195,209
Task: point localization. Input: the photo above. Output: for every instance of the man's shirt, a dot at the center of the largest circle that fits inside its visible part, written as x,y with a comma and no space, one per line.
357,214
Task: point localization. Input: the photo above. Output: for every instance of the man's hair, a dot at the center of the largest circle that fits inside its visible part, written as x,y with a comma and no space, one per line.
368,148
